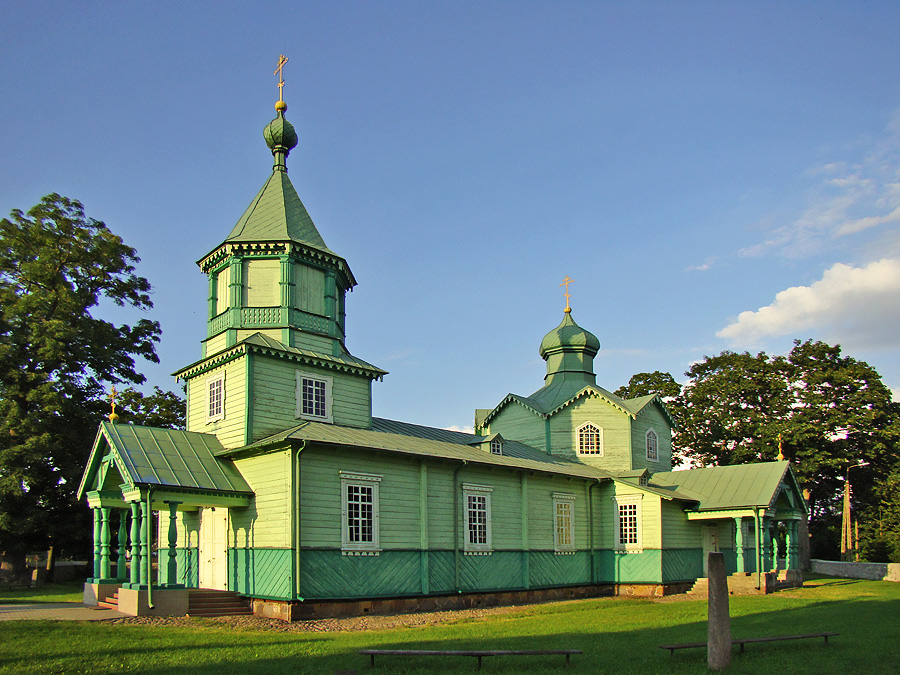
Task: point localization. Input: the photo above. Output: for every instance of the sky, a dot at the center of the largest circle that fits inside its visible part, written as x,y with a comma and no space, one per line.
712,175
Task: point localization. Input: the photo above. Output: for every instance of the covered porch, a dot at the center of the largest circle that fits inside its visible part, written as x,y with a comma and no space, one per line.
135,474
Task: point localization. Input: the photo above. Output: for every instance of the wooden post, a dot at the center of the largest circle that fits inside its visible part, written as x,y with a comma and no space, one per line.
739,544
121,543
172,567
145,566
104,543
97,569
134,577
718,642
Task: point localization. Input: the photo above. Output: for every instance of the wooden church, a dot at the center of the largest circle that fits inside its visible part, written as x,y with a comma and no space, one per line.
285,490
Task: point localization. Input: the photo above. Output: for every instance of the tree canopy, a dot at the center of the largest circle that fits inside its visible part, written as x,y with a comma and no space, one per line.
56,265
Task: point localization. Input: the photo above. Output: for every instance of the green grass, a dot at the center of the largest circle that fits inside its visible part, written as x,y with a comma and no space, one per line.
72,591
616,635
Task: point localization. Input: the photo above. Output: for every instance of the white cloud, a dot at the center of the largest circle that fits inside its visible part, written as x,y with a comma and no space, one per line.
855,306
463,429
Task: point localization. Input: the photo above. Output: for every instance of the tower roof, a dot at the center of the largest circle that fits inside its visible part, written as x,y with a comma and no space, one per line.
569,336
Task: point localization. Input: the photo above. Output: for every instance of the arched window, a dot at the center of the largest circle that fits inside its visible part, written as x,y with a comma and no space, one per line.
590,439
652,446
496,446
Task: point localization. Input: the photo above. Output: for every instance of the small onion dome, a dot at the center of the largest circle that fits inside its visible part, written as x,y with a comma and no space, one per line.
279,133
569,336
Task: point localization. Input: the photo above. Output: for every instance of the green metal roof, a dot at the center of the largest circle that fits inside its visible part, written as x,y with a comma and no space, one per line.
164,457
277,214
727,487
569,336
261,343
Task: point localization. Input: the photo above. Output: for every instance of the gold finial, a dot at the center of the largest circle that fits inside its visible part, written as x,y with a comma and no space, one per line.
566,283
279,71
112,401
780,449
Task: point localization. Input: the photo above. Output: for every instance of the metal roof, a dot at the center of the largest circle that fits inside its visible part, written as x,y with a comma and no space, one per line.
165,457
727,487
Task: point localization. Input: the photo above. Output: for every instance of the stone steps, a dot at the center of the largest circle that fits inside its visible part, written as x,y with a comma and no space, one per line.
217,603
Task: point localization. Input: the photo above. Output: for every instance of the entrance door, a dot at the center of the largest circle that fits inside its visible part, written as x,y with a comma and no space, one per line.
710,545
213,549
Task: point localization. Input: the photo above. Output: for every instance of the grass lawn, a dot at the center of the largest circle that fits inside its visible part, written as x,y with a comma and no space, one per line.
616,635
71,591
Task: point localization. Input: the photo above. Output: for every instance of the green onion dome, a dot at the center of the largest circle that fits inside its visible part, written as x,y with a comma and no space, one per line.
568,336
279,134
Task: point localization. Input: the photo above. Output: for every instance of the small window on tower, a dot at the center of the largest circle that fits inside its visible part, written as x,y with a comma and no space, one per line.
215,398
652,446
314,397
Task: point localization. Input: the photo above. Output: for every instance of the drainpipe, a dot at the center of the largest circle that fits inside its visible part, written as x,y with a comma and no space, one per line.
757,537
591,526
456,517
295,522
149,552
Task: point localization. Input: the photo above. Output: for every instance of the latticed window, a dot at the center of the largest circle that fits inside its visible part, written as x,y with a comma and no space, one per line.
590,440
496,447
564,525
215,399
313,397
628,524
360,513
652,446
477,516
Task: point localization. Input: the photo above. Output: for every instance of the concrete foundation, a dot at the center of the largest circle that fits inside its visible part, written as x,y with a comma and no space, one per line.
165,602
857,570
94,594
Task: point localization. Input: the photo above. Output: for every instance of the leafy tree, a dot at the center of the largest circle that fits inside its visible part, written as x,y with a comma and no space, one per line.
164,409
644,384
55,356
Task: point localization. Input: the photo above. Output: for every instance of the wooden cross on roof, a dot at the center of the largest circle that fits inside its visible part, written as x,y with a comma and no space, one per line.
566,283
279,71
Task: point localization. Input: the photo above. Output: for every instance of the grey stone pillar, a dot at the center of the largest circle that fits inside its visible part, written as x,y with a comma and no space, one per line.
718,642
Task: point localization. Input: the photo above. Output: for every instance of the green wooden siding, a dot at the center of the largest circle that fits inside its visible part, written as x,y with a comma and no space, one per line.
677,531
517,423
267,521
309,289
214,345
616,432
651,417
261,572
230,429
187,571
623,568
681,564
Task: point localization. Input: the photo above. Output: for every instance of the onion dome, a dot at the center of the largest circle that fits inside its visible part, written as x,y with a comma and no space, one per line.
280,137
568,336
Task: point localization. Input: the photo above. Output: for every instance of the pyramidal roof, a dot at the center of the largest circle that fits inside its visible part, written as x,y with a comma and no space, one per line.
277,214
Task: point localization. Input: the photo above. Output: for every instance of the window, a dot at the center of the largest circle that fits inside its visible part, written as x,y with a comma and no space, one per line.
652,446
359,513
628,523
477,504
590,439
564,516
222,279
314,397
496,447
215,398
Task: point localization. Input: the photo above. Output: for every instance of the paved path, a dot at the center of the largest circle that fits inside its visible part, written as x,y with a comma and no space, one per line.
56,611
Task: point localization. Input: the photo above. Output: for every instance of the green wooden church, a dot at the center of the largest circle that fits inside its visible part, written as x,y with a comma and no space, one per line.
286,490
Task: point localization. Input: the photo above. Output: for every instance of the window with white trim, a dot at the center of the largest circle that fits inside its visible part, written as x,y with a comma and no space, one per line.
590,439
652,445
564,522
477,505
359,513
314,397
628,523
215,398
496,447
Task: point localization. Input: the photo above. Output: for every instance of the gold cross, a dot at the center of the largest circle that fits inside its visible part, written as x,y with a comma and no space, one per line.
112,401
566,283
279,71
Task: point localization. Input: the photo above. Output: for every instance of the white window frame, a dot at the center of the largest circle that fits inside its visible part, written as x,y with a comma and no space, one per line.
369,481
477,492
563,507
209,384
578,440
629,501
651,434
496,446
323,379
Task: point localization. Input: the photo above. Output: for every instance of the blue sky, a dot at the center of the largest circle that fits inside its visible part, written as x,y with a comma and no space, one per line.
712,175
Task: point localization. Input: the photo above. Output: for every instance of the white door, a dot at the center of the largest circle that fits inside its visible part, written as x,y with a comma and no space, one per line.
213,548
710,545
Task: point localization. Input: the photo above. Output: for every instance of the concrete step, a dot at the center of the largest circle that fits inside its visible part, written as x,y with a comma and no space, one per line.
217,603
111,602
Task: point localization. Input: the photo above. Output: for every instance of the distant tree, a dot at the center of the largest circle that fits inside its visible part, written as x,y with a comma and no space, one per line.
55,356
644,384
164,409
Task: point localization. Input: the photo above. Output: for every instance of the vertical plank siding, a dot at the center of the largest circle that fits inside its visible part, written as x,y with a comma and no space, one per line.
616,427
230,429
651,417
267,521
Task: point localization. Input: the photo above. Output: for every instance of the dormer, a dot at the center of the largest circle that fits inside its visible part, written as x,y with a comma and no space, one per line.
493,444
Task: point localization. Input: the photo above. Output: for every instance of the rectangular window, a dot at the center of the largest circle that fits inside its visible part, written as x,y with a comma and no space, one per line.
222,279
359,508
477,500
628,523
215,398
564,516
314,397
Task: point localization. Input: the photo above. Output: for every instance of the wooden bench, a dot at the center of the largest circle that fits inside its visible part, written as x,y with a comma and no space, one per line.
479,654
745,641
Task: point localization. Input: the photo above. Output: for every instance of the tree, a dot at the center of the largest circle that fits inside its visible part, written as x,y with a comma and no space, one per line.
823,410
55,356
164,409
644,384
